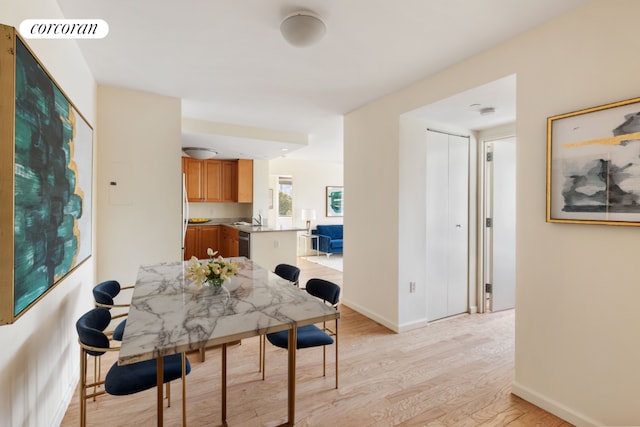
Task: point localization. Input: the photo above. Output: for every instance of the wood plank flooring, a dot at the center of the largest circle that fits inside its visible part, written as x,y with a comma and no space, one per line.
456,372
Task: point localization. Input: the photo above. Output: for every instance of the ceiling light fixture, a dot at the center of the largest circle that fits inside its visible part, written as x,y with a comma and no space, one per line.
302,28
487,110
199,152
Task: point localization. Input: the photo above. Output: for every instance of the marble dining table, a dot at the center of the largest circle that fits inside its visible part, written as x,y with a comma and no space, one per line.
170,314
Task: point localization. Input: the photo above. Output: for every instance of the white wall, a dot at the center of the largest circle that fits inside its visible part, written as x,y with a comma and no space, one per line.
261,189
310,179
577,350
140,217
39,360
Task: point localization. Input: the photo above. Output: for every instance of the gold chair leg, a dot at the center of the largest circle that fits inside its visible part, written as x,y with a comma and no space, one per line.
263,351
96,375
168,392
324,360
260,354
336,343
83,390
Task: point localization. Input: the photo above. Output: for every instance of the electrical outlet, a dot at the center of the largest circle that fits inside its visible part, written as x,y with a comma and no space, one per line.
412,287
276,244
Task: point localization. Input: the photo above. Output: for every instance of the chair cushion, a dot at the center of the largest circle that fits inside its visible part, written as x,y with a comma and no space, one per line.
128,379
118,332
308,336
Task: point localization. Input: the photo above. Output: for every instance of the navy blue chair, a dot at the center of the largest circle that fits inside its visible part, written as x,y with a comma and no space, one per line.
125,379
288,272
104,295
312,335
291,273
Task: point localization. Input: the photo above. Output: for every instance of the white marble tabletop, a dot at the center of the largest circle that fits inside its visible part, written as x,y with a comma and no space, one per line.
170,314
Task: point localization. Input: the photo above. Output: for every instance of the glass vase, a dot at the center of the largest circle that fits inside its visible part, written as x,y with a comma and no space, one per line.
216,282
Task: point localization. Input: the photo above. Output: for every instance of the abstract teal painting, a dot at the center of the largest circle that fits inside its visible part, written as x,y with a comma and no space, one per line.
52,183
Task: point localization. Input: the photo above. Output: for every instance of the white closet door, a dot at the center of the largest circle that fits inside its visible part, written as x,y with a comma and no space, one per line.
446,225
437,225
458,224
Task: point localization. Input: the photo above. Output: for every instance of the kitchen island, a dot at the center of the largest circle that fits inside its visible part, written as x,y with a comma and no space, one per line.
264,245
269,247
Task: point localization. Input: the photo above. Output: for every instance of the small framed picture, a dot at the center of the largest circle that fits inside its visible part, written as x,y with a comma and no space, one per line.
335,201
593,165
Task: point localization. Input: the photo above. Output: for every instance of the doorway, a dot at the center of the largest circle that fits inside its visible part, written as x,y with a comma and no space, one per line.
499,201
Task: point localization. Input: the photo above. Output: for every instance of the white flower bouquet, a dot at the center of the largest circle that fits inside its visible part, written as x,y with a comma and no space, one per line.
213,271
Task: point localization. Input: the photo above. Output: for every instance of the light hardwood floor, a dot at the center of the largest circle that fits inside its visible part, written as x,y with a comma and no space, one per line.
456,372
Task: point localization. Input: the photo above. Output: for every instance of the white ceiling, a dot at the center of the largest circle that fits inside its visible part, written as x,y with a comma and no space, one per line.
228,62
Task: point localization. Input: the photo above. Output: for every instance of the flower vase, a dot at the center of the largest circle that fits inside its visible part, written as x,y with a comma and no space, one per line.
216,282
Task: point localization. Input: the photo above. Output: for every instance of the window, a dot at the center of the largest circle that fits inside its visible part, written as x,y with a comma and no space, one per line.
285,196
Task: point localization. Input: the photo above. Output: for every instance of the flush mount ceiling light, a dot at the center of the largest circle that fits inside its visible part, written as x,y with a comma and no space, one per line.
302,28
199,152
487,110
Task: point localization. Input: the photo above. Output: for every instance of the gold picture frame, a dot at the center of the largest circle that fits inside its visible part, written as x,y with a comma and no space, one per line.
335,200
46,161
593,165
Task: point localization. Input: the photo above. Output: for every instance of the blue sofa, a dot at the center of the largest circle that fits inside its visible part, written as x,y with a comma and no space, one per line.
329,238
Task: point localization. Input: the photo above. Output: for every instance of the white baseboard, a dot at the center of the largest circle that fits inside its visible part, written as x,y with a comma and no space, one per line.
556,408
370,315
66,400
405,327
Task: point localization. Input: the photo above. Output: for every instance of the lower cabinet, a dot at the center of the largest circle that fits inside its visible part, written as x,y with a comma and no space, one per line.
199,238
229,242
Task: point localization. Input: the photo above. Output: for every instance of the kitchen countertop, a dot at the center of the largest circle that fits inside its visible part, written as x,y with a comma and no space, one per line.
244,226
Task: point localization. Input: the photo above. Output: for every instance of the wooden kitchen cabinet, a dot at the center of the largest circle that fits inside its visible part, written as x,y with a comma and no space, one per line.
244,186
229,242
229,181
212,180
193,170
203,179
218,180
199,238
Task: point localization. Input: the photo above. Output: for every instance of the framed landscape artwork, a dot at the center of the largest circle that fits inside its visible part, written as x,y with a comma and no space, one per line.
46,155
335,201
593,165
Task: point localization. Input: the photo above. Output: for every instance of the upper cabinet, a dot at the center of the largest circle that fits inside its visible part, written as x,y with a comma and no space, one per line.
211,181
245,181
218,180
193,171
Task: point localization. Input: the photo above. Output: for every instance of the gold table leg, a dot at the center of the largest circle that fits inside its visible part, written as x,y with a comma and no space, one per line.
293,339
160,381
224,384
184,390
